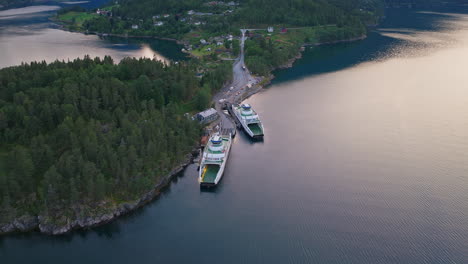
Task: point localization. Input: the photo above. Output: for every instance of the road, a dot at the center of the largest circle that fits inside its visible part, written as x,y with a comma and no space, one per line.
234,91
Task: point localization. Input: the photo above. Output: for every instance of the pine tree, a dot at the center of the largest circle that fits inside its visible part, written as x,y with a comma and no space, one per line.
7,212
23,168
100,187
52,182
74,195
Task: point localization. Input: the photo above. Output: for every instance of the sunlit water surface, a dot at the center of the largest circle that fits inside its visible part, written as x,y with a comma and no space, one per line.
27,34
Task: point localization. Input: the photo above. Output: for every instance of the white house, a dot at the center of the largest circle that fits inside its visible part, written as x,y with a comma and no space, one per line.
158,23
190,12
166,15
134,26
270,29
203,41
219,43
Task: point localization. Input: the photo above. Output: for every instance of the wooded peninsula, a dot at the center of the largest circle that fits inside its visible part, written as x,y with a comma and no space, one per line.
81,137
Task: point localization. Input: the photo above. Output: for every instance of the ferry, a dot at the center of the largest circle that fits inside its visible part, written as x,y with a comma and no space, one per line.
214,160
249,120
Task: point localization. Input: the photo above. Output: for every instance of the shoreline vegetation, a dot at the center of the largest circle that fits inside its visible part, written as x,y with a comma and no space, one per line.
266,80
85,141
48,196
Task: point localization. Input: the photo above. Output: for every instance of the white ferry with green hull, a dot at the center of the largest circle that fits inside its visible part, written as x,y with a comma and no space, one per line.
214,160
249,120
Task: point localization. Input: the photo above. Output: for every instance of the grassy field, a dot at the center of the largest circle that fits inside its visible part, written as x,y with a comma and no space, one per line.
76,18
203,50
109,8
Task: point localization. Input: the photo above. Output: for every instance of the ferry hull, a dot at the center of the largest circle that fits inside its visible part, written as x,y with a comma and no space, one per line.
246,127
212,180
259,137
207,185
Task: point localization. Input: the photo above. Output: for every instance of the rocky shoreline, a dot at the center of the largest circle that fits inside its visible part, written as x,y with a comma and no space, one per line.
124,36
63,26
364,36
27,223
291,61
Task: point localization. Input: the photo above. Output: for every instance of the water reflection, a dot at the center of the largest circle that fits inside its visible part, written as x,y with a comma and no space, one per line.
74,2
19,12
414,33
26,34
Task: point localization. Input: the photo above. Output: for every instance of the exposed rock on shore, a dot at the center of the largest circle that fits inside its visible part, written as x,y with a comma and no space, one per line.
44,224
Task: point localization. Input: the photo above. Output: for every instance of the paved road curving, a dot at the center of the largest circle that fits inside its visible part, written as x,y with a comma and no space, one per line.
234,91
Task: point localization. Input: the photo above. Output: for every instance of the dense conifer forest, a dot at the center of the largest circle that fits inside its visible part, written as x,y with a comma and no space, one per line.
77,134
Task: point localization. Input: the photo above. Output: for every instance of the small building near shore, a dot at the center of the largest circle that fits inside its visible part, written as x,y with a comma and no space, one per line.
207,116
103,12
134,26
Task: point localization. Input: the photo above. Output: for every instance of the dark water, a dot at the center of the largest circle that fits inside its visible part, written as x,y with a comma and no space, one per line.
27,34
365,160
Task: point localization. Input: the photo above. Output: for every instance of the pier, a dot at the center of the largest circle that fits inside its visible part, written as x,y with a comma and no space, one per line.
233,92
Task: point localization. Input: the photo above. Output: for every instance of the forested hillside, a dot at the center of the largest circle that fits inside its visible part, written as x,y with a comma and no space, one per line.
305,12
254,11
76,134
228,17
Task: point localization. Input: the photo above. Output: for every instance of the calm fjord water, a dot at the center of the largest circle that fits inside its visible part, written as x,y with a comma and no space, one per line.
27,34
365,160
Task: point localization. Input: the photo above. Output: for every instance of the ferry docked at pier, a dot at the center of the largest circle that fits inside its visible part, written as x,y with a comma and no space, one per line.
214,160
249,120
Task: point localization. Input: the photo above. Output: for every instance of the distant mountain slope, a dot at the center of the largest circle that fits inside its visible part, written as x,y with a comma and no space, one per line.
303,12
